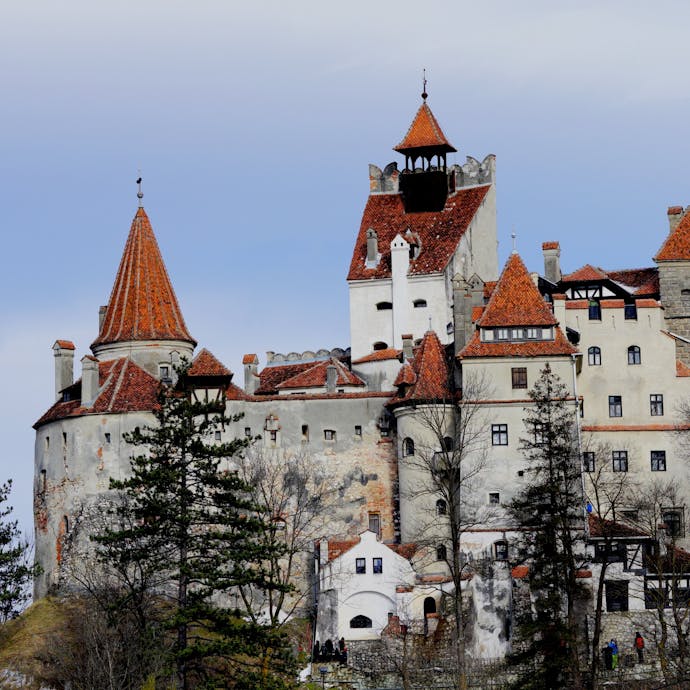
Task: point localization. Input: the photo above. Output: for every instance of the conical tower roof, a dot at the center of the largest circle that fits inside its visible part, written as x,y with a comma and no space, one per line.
142,303
425,135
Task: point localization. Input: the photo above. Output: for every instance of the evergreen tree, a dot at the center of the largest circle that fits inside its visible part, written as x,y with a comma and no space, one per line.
549,512
196,527
15,571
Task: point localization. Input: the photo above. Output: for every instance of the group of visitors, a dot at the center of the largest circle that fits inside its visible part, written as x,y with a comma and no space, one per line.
611,652
330,652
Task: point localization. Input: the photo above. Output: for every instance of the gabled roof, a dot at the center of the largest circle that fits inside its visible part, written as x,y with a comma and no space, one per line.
379,355
315,376
206,364
676,246
123,386
142,303
406,376
516,301
584,274
600,527
424,133
439,232
270,377
430,374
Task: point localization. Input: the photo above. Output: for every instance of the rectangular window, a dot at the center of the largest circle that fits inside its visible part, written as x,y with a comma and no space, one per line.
630,311
620,460
360,566
656,405
377,567
247,432
358,430
494,498
519,376
658,458
616,595
107,437
165,371
594,311
502,334
517,333
533,333
329,435
305,432
499,434
217,435
47,444
673,519
588,461
615,406
375,523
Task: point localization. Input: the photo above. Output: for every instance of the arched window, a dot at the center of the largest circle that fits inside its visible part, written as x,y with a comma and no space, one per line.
501,550
419,303
408,447
594,356
634,356
429,605
441,552
448,444
380,345
383,306
441,507
360,622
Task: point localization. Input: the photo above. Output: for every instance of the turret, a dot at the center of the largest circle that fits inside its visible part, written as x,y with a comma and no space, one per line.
64,365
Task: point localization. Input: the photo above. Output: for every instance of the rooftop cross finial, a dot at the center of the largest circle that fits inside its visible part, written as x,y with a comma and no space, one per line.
430,324
514,236
424,93
140,194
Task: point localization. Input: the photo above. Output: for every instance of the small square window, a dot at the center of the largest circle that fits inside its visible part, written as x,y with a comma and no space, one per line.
305,432
360,566
658,459
620,460
499,434
630,311
494,498
615,406
656,405
377,566
329,435
519,377
217,435
273,435
588,461
247,432
358,430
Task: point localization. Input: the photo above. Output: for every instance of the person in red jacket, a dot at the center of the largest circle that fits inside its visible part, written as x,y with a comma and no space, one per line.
639,646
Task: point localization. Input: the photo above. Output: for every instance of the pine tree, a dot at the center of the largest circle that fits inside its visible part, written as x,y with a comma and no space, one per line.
196,527
549,512
15,571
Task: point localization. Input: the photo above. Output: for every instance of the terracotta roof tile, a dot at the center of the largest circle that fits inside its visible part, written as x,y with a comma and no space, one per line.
424,133
270,377
233,392
439,231
640,281
337,548
674,210
647,304
65,344
550,245
489,287
676,247
612,303
682,369
477,313
431,373
600,527
519,572
406,376
380,355
250,359
527,348
142,303
516,301
586,273
206,364
315,376
577,304
405,550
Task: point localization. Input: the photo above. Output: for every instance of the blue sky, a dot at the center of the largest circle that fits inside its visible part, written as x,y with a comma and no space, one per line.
253,124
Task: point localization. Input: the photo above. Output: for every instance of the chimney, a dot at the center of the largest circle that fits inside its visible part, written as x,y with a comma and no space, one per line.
251,373
552,261
101,316
89,380
407,346
64,365
372,249
331,378
675,213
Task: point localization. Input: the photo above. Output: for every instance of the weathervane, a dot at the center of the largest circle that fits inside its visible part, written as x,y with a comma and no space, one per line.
514,236
424,93
140,194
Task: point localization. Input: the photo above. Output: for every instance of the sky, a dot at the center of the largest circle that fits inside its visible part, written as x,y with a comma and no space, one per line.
253,125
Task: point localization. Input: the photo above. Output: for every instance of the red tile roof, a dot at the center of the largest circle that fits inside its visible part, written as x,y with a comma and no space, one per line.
439,231
516,301
380,355
142,303
674,210
270,377
206,364
250,359
644,280
550,245
65,344
528,348
600,527
477,313
406,376
431,372
124,387
315,376
587,272
676,247
233,392
337,548
424,133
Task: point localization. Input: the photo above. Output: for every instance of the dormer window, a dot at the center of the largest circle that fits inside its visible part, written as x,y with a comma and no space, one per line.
380,345
502,334
419,304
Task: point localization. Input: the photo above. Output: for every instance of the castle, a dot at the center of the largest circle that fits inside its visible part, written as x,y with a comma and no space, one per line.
430,315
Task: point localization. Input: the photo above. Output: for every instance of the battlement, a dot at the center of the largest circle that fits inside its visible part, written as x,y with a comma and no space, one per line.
472,172
277,358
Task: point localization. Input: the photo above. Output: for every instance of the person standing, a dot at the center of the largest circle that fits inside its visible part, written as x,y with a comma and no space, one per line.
613,645
639,646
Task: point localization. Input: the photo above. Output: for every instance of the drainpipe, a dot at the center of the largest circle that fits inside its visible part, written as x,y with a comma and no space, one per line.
574,357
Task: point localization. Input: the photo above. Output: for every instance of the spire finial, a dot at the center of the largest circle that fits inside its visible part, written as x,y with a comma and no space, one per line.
514,236
425,95
430,324
140,194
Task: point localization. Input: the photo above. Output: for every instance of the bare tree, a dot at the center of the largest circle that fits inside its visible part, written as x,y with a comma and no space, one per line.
449,459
